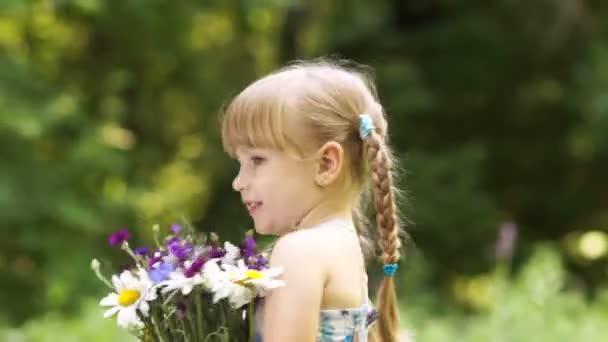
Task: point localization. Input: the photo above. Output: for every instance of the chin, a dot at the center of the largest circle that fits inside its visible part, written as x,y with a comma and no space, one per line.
263,230
267,230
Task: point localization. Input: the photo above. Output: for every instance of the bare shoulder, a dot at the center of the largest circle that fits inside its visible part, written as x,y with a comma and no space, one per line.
314,245
297,246
291,313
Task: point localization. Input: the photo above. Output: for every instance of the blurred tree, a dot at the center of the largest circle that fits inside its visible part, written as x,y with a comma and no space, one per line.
109,116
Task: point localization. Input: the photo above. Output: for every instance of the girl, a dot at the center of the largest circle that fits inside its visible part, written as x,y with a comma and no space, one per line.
308,138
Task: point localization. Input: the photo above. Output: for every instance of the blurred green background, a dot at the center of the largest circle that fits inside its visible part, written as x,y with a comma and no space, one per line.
109,114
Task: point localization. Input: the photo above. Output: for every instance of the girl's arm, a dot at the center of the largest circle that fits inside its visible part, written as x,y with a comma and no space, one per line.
291,313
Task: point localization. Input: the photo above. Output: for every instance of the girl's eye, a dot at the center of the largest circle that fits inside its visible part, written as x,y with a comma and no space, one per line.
257,160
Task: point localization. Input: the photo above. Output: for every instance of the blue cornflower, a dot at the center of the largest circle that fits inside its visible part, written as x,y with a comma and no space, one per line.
161,272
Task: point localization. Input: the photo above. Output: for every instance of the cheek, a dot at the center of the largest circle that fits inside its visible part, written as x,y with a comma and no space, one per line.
287,193
291,199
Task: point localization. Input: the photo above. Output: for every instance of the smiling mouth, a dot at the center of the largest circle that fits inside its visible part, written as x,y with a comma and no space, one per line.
253,206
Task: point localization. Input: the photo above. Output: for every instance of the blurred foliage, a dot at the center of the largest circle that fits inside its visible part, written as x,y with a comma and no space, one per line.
87,326
533,306
109,114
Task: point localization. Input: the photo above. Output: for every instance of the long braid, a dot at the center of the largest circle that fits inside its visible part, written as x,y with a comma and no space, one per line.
388,228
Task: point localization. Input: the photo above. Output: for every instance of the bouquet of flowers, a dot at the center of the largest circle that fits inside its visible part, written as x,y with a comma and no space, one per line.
189,288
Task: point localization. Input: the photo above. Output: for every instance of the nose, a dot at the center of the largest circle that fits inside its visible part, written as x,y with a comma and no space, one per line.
238,183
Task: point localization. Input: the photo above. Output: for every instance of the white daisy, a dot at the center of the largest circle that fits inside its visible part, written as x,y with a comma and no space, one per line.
263,280
221,284
132,294
232,253
178,281
238,283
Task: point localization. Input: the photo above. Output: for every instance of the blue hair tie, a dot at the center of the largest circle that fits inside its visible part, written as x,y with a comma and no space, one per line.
366,126
389,269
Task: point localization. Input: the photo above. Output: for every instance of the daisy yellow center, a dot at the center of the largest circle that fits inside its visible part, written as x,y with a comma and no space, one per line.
128,297
254,274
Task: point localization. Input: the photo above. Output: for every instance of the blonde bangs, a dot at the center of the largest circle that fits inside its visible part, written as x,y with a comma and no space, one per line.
257,118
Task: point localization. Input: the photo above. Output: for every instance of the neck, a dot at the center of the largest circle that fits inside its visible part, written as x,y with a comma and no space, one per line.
323,211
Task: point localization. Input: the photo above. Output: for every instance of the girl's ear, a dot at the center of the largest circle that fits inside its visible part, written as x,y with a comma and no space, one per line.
330,162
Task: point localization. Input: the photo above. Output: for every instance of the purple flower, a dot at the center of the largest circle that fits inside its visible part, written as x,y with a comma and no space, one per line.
257,262
261,263
161,272
180,249
249,249
154,260
142,250
176,228
216,252
195,267
172,240
120,236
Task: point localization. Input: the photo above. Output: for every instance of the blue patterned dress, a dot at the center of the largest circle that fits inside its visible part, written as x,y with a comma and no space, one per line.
339,325
344,325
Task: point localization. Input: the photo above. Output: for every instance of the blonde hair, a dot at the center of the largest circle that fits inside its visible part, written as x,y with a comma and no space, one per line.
304,105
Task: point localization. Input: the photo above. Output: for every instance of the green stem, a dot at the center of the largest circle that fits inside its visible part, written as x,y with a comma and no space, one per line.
186,335
251,317
161,337
148,325
173,333
156,232
199,313
193,331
